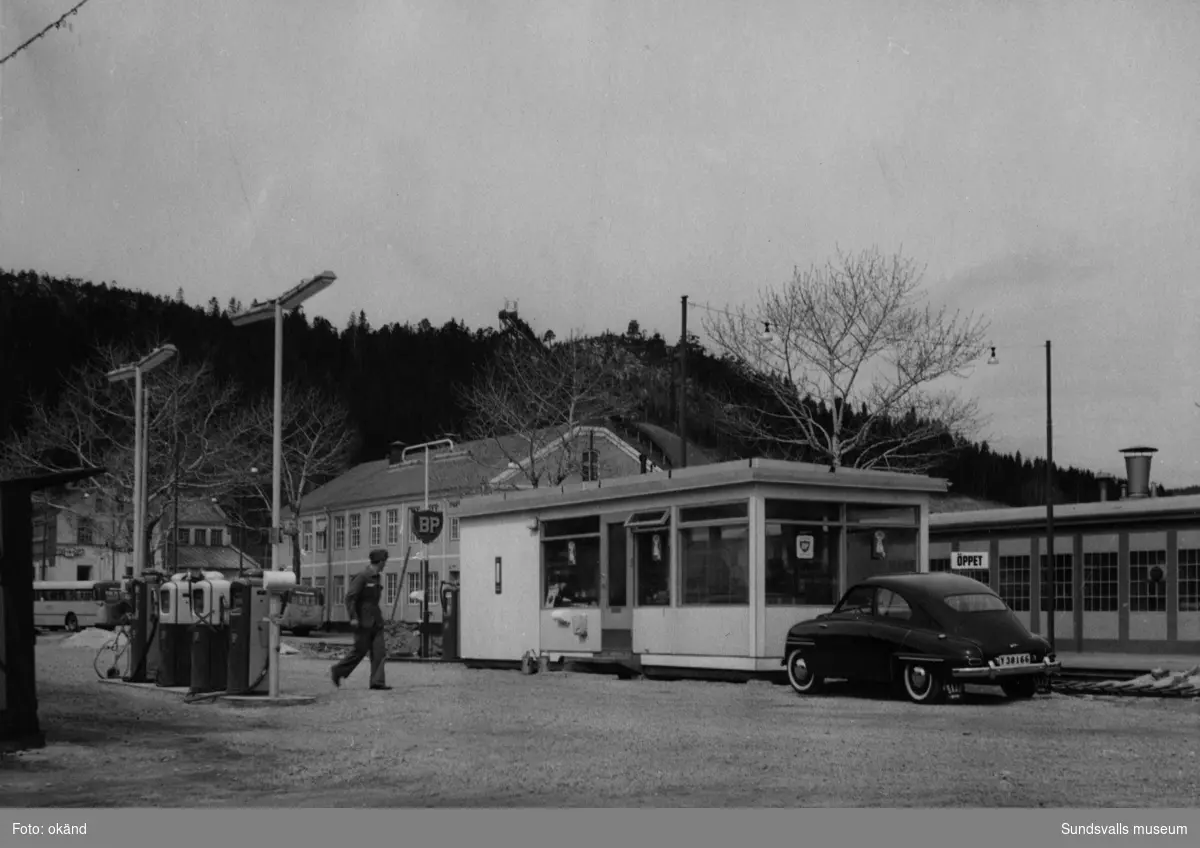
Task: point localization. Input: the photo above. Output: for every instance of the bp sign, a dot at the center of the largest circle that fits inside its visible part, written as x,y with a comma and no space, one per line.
427,524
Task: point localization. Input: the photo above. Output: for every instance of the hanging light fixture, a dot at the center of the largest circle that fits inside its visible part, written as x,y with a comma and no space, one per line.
993,360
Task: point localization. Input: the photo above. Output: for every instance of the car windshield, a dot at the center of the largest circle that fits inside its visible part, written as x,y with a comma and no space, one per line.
975,602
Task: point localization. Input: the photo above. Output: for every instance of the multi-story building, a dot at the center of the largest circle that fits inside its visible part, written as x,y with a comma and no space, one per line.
370,506
80,535
200,537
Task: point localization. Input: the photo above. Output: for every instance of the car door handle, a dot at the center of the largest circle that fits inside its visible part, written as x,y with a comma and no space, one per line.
822,626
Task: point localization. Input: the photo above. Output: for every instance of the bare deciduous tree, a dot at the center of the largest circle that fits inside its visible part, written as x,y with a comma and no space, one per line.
318,439
532,397
848,353
194,427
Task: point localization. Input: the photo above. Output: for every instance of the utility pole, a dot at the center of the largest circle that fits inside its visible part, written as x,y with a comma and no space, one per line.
1049,577
683,387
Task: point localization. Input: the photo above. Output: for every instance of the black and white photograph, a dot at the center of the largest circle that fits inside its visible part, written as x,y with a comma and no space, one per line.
621,405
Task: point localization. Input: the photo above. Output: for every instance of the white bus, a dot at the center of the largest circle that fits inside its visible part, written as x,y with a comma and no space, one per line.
74,604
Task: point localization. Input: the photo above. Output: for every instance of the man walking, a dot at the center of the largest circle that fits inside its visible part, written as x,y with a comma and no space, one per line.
366,619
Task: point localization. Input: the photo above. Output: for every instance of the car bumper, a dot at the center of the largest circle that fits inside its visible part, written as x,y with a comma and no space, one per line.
997,672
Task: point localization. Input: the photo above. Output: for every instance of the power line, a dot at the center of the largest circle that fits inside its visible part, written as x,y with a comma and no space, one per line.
57,24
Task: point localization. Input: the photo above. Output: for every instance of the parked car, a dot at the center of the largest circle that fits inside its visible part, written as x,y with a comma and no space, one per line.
930,632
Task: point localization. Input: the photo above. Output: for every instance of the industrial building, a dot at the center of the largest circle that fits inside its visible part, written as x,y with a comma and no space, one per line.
1126,571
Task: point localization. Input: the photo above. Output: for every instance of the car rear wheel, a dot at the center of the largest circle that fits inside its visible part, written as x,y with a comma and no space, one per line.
921,684
800,676
72,623
1022,687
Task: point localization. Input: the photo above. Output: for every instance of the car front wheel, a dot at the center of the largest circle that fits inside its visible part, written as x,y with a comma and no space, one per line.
921,684
800,676
71,623
1022,687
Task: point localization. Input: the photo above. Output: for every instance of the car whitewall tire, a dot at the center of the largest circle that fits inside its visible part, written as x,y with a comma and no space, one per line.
921,684
800,677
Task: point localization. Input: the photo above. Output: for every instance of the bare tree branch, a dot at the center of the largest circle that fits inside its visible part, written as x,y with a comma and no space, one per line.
531,398
191,416
317,442
847,354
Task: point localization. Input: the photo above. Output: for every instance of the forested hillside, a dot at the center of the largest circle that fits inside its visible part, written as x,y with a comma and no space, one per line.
400,382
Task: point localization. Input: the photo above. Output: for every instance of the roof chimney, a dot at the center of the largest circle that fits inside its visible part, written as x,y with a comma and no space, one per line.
1137,469
396,452
1103,479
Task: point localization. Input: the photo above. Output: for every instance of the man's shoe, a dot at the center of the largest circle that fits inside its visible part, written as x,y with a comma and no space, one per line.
383,688
337,681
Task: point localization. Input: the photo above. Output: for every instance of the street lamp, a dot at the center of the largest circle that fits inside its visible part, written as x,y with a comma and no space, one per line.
287,301
1048,575
136,370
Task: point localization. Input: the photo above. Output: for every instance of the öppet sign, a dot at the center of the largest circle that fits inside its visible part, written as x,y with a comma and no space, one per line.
968,561
427,524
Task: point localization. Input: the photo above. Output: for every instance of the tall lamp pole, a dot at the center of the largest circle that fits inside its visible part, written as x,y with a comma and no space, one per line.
136,371
683,385
1047,580
274,309
1050,576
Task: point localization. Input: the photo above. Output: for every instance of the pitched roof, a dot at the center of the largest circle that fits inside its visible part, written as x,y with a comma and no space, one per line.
465,470
669,443
733,473
198,511
215,558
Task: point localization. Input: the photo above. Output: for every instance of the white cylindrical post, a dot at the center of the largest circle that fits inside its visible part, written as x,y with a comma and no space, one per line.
138,490
276,486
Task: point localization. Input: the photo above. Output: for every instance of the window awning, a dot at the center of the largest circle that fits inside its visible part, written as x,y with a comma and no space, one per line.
648,519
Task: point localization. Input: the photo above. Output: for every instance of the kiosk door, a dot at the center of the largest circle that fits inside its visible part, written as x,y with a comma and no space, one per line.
616,587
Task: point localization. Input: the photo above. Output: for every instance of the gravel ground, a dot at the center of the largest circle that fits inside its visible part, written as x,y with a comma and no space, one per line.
450,736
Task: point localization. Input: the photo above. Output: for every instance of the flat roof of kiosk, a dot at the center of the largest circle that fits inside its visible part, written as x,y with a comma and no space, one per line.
722,475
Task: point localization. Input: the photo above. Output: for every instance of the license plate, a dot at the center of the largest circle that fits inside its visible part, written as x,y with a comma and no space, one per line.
1013,659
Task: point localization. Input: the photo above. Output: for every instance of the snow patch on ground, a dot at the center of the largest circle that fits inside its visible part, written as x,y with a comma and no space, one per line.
89,637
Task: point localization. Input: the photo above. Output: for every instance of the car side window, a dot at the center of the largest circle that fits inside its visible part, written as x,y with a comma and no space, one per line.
890,605
860,600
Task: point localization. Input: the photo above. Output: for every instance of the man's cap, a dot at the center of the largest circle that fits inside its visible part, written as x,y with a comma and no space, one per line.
379,555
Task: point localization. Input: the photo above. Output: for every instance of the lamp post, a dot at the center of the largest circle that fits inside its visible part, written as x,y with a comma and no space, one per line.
275,308
136,371
1047,576
425,638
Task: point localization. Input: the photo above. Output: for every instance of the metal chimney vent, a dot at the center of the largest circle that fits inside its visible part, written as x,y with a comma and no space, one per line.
1137,470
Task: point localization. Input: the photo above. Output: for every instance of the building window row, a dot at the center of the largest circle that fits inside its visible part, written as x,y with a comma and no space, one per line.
802,555
1101,573
212,537
384,527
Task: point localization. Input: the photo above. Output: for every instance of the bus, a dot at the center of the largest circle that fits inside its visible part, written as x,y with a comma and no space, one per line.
74,604
304,610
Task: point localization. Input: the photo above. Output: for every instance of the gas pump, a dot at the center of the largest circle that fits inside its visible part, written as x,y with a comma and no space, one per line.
249,636
174,632
143,628
210,596
450,623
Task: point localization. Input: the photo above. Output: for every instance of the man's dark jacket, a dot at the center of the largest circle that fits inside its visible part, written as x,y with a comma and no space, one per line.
362,600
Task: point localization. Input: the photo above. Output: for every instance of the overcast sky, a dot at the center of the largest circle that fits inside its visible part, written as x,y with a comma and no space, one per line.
596,161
